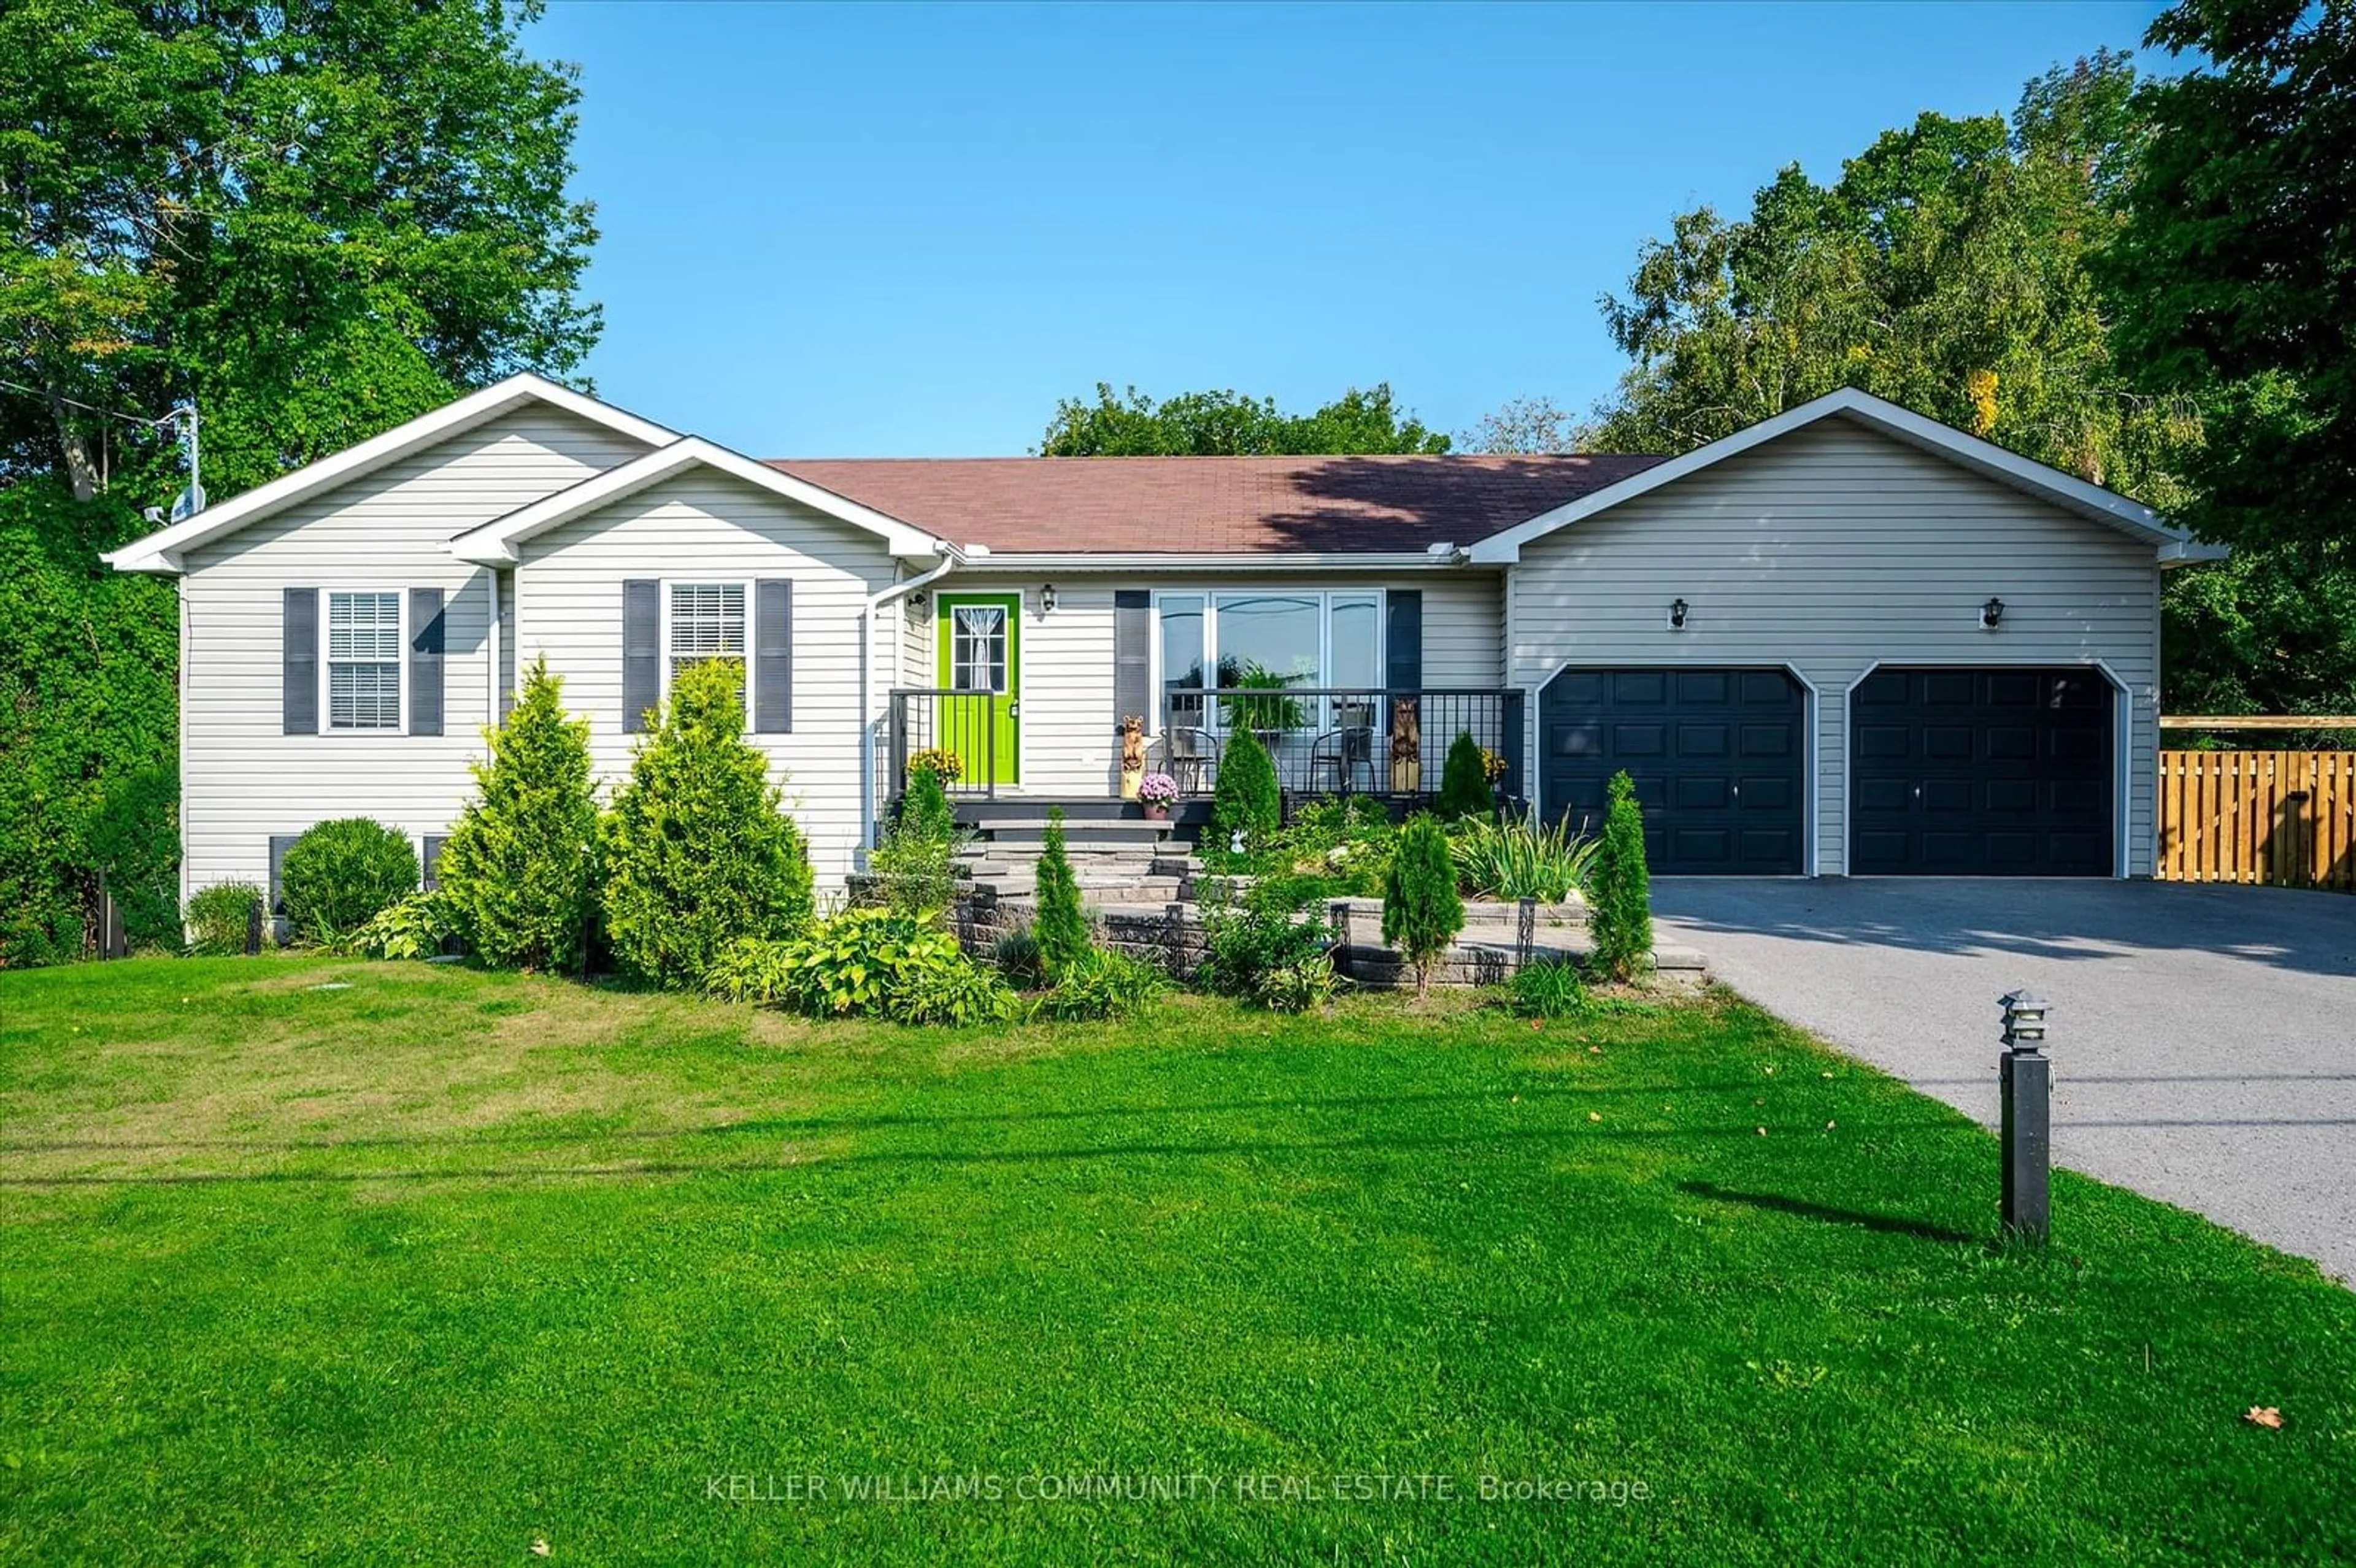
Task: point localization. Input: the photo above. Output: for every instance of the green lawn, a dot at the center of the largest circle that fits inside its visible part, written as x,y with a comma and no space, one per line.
312,1260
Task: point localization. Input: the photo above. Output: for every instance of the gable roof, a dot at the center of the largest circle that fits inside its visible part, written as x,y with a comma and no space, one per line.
495,542
2065,490
1215,506
161,550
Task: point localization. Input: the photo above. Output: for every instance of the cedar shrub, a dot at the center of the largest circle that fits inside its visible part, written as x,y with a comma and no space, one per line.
515,871
1620,921
1421,910
1062,926
698,851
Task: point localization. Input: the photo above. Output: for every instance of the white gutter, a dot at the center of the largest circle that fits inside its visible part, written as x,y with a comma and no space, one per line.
952,557
1222,561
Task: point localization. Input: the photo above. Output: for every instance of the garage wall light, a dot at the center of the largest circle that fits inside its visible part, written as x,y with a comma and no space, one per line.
1992,612
1677,608
1047,597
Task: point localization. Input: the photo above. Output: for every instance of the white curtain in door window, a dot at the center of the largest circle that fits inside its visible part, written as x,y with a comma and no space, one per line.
977,648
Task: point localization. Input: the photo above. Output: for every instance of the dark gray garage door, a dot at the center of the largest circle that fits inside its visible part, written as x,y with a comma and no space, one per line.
1716,756
1981,772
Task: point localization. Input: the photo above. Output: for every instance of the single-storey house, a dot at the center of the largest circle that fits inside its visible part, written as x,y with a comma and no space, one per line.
1849,640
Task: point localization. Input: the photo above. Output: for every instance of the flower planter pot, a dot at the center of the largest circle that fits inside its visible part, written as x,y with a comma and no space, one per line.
1156,811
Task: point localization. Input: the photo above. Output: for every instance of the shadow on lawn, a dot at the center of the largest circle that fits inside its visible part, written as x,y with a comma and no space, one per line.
1887,1224
808,1126
1566,1136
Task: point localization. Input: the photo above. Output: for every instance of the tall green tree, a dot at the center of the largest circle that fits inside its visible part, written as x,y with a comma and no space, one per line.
315,219
1229,424
1945,269
2235,277
89,730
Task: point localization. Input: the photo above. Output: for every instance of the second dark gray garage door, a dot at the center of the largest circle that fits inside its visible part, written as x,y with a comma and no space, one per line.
1718,757
1983,772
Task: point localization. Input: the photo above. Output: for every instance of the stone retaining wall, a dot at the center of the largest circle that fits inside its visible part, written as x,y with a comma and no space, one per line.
1487,951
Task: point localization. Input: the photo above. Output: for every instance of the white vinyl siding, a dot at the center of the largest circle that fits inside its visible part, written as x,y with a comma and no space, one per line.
1831,550
1068,723
242,779
704,528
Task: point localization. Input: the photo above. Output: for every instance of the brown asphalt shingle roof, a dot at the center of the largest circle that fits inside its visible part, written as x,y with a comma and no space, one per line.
1215,504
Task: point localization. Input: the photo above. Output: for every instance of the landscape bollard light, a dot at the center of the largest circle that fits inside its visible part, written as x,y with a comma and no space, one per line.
253,928
2028,1079
1337,915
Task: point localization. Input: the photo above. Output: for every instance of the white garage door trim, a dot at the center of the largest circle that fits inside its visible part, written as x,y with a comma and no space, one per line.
2122,742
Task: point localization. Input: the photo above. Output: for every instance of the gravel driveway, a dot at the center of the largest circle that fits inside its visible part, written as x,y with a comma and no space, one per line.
2203,1038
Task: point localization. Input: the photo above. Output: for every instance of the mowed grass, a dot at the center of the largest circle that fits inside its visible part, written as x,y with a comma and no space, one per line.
339,1261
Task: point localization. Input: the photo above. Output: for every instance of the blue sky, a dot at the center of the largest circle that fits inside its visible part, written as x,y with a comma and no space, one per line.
905,231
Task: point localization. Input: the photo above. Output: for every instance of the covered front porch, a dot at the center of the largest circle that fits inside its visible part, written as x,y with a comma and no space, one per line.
1386,742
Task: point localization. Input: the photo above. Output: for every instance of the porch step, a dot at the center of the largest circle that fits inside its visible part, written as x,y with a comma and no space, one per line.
1032,832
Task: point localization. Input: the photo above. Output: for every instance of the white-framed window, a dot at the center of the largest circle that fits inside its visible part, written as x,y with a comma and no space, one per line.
1263,639
977,648
361,674
704,621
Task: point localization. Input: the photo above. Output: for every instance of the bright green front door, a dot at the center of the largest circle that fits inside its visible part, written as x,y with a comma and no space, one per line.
977,636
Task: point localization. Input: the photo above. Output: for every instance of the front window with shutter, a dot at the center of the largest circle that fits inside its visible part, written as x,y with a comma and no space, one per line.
707,621
363,661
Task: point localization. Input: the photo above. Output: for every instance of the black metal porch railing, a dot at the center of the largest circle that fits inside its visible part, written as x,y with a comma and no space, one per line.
1334,740
930,718
1324,740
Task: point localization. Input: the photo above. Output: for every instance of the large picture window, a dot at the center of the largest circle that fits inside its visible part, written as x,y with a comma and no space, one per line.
1265,640
363,661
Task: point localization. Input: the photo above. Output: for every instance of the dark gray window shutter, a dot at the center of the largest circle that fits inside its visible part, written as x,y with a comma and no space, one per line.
279,844
430,862
772,657
641,651
298,662
425,661
1132,667
1403,640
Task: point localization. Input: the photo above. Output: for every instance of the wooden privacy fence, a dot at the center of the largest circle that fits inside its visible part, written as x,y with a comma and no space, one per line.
2284,819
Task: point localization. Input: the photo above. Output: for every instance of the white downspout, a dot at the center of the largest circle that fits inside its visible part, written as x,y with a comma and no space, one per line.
950,559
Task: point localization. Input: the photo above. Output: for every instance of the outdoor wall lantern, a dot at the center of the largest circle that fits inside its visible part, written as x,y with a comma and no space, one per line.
1677,608
1992,612
1047,597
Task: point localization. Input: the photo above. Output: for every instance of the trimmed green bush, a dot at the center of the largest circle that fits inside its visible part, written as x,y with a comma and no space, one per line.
340,875
217,916
1620,889
1421,912
1246,799
1061,926
698,852
1465,782
515,871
